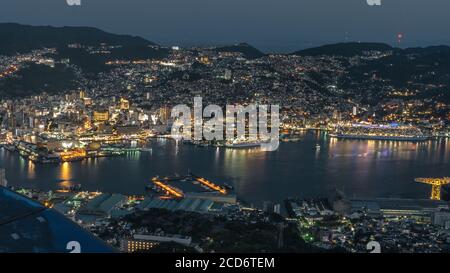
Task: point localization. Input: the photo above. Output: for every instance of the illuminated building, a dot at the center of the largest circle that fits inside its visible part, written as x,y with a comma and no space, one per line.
133,245
101,116
3,138
87,123
164,114
146,242
73,155
142,117
82,94
204,60
148,79
337,115
87,101
124,104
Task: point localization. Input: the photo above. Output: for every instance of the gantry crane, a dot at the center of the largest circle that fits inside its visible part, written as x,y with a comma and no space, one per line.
436,184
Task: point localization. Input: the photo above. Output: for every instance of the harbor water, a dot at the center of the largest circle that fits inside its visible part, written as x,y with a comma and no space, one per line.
308,167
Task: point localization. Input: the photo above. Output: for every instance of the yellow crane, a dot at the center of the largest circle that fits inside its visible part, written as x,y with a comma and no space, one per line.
436,184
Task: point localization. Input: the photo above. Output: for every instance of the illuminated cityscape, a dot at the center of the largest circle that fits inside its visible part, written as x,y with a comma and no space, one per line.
87,143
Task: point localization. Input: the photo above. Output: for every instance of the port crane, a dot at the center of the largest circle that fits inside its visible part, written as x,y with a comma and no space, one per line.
436,184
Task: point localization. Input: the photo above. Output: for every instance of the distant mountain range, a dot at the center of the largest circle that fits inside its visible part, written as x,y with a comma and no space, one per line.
344,49
423,66
247,50
22,38
17,38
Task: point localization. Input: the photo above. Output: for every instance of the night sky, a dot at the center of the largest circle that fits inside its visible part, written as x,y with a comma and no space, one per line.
270,25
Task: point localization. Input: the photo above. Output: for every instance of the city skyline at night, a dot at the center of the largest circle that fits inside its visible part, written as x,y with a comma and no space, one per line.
218,128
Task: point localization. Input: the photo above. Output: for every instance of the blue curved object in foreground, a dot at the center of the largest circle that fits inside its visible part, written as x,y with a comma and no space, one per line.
28,227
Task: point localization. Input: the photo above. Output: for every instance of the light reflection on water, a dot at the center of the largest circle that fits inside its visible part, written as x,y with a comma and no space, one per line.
359,168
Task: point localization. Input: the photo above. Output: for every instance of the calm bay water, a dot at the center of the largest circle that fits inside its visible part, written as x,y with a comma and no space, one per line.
359,168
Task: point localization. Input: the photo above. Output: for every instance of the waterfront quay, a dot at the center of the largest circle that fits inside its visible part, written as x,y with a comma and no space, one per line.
171,185
70,150
153,223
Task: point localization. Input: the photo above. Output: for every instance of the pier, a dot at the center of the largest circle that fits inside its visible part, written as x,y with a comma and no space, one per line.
168,189
163,183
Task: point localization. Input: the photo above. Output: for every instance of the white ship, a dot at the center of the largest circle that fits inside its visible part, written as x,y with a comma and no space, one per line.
380,132
243,144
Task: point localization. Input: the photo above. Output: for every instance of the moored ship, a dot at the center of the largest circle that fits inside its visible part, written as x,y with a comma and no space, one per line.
380,132
243,144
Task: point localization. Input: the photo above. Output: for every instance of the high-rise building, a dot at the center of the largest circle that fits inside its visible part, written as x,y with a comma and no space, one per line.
355,110
277,208
164,114
31,122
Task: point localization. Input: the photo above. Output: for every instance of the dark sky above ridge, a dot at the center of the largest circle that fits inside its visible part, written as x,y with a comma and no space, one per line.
270,25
